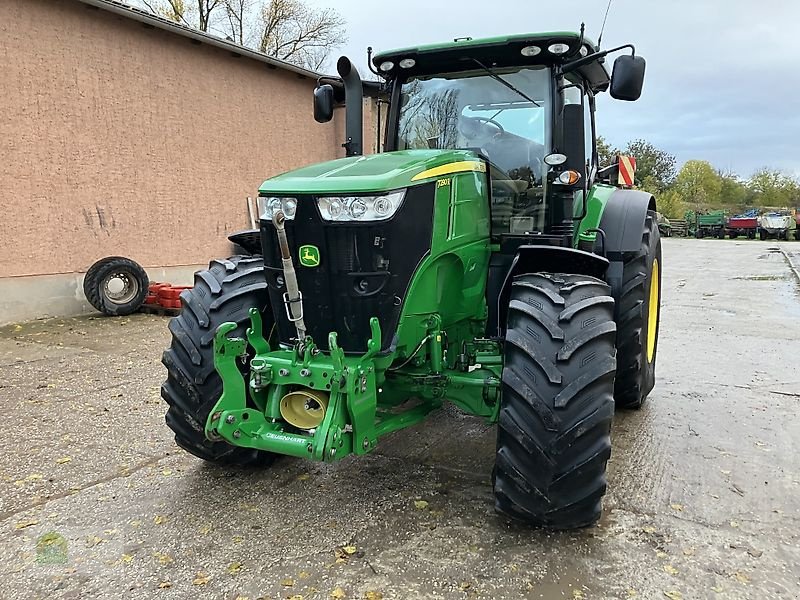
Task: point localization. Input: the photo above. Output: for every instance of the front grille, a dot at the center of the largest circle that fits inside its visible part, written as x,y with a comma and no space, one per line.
364,270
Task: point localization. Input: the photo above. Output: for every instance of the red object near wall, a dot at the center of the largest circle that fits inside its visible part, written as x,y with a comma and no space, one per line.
165,295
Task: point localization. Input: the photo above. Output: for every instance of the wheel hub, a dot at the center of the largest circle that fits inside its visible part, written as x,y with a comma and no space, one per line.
120,288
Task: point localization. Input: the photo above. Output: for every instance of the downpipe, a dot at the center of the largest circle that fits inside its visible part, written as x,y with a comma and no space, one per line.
354,103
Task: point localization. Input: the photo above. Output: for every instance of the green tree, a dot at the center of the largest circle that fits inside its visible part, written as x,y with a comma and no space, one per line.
772,188
732,191
698,183
649,184
671,204
651,162
606,154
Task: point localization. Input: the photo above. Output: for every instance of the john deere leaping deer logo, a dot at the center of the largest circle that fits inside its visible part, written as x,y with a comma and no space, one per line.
309,256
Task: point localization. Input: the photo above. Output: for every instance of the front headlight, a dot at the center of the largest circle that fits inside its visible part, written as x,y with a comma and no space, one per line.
360,208
269,205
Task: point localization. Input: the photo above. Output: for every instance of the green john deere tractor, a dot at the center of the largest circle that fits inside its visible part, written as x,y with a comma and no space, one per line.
479,259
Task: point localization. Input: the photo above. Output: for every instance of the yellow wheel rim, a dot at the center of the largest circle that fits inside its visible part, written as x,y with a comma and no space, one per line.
652,313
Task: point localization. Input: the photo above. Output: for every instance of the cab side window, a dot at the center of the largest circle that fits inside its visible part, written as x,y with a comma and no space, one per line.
516,207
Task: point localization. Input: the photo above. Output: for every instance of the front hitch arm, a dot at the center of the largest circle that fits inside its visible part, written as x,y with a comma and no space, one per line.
234,394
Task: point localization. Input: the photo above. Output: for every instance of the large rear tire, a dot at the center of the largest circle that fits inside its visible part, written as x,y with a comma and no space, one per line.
224,292
637,315
554,433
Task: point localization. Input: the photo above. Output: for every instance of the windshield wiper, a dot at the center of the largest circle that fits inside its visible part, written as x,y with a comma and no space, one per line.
510,86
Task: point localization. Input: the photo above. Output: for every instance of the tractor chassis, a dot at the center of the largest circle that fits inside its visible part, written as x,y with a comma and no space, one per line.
247,413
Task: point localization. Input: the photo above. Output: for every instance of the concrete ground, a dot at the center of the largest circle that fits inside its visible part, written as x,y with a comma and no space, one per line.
702,503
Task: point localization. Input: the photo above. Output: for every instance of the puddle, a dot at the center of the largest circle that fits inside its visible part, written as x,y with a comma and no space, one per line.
762,277
567,585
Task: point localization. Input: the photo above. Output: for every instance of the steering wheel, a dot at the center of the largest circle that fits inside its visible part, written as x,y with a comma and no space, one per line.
470,131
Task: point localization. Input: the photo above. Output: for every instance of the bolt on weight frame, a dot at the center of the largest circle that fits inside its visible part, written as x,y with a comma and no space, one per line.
346,389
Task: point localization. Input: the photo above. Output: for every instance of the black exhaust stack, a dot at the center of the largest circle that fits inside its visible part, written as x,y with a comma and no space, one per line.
354,101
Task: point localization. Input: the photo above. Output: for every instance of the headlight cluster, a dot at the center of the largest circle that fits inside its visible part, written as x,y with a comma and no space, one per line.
360,208
268,206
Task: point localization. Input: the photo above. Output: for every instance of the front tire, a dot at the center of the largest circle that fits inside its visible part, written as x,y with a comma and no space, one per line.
554,433
224,292
637,315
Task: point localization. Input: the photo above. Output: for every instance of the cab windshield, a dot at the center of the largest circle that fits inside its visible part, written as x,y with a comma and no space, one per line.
473,110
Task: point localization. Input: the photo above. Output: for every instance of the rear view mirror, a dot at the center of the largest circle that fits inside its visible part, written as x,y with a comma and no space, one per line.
627,77
323,103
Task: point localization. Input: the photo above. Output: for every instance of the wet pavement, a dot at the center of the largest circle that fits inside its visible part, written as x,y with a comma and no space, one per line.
702,503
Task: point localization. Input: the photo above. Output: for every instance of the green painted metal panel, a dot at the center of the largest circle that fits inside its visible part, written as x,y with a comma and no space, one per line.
596,204
363,174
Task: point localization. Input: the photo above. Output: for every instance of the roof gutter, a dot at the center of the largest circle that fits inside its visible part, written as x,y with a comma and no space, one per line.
130,12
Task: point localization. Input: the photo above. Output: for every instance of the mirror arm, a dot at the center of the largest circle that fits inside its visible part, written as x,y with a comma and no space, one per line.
575,64
369,63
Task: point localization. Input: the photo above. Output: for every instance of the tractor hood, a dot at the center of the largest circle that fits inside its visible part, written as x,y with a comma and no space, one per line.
373,173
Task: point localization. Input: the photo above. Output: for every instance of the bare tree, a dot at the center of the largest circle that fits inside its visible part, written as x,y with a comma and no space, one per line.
430,118
292,31
236,19
286,29
174,10
194,13
205,8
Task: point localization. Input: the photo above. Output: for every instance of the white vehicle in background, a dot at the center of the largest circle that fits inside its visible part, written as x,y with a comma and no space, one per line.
776,225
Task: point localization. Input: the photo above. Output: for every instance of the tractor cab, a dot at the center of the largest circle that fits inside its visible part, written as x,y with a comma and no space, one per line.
524,104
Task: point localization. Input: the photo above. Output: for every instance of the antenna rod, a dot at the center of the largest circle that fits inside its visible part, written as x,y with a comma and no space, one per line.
603,26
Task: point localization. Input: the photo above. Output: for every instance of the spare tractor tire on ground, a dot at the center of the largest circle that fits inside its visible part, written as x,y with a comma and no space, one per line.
554,427
116,285
222,293
637,315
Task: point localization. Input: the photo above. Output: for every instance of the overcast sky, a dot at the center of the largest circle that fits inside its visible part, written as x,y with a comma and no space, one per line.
722,80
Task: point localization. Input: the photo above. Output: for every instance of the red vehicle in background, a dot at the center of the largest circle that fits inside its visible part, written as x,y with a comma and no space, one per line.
742,225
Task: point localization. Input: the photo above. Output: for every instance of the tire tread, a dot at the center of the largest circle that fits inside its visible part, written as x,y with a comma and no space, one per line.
557,403
223,292
634,380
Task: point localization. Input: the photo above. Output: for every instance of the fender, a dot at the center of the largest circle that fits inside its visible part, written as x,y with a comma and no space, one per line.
622,224
623,220
248,240
547,259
